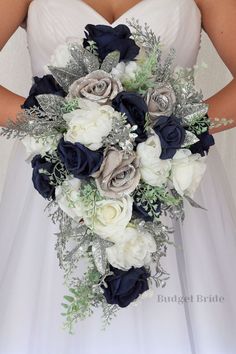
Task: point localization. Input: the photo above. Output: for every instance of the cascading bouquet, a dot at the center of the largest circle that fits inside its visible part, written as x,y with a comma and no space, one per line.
117,139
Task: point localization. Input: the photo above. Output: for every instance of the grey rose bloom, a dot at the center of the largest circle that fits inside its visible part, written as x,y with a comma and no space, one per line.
98,86
119,173
160,101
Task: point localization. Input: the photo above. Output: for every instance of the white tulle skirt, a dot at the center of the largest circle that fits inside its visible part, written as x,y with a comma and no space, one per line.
202,268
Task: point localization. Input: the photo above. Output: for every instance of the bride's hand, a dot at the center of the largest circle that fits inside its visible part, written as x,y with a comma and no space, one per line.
218,20
12,14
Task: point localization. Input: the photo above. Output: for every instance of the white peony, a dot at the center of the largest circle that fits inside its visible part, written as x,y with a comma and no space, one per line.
61,56
68,198
154,171
125,71
110,218
133,249
89,124
187,171
40,146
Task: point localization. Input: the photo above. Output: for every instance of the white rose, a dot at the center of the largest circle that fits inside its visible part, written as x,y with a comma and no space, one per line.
134,249
110,218
124,71
90,125
154,171
40,146
68,198
187,171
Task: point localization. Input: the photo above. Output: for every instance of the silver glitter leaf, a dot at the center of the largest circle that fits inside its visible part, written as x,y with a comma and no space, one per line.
84,59
77,52
190,139
79,250
64,76
122,134
110,61
90,61
193,203
99,253
197,111
51,104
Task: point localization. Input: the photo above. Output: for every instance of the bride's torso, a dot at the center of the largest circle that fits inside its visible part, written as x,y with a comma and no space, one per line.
50,22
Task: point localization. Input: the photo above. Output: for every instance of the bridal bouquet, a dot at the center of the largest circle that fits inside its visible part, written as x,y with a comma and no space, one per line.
117,140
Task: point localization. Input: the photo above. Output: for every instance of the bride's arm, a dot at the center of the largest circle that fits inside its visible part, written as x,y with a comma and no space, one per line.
219,22
12,14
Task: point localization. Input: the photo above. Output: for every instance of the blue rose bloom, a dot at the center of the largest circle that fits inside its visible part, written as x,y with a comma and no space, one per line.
80,161
202,147
109,39
135,109
41,180
171,133
45,85
123,287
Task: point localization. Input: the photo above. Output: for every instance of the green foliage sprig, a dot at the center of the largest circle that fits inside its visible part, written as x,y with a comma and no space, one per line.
71,105
150,197
83,297
143,79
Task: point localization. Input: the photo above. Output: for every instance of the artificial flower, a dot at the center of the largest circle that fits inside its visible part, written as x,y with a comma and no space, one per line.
119,173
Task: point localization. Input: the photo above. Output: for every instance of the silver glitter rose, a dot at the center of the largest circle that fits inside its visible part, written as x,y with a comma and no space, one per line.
160,101
98,86
119,173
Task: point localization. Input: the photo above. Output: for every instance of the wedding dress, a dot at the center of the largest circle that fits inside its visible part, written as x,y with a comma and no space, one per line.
202,266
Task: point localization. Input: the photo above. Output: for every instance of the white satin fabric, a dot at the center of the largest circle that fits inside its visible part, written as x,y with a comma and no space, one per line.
202,264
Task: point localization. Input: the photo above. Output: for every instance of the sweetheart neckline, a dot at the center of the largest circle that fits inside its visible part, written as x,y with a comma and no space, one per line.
126,13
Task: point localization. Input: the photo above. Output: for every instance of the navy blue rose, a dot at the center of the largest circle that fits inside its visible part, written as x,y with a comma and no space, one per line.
135,109
141,211
78,159
202,147
44,85
41,180
171,133
109,39
123,287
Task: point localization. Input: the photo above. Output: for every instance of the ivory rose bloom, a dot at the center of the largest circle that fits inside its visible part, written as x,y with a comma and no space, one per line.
119,173
98,86
68,198
134,249
89,124
154,171
187,171
110,217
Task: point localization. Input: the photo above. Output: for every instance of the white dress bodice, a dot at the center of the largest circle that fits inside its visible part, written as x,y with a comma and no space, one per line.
50,22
